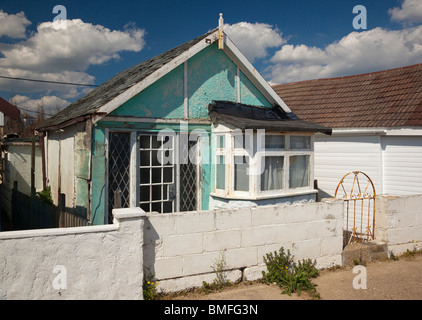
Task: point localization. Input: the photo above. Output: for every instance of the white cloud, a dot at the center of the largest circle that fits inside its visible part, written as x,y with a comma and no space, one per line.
64,55
13,25
50,104
74,48
358,52
254,39
409,12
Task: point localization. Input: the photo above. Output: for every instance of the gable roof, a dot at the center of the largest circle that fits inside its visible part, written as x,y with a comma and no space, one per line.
9,110
391,98
114,92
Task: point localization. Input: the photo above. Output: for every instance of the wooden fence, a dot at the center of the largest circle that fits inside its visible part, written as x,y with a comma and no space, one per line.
32,213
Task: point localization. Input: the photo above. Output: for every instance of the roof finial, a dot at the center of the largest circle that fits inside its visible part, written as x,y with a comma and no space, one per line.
220,32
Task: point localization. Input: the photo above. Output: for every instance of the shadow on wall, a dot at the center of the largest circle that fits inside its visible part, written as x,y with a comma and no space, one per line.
151,238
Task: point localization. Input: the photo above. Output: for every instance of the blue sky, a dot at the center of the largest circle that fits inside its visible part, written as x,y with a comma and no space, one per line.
286,40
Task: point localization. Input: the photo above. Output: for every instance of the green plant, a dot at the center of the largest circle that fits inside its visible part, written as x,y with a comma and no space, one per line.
149,287
45,195
290,276
393,257
220,280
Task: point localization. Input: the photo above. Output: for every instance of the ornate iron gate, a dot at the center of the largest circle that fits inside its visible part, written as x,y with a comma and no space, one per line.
358,192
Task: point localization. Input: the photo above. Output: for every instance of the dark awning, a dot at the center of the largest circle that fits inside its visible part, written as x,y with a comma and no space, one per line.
252,117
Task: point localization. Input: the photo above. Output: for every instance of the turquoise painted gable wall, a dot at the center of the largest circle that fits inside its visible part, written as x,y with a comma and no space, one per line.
211,76
162,99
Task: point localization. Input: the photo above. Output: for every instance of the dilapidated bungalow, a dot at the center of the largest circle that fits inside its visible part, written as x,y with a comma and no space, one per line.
180,132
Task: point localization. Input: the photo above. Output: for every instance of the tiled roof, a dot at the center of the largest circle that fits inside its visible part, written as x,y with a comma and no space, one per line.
9,109
391,98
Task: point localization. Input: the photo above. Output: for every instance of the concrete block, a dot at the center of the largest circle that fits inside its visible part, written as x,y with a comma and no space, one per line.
179,245
220,240
168,268
307,249
258,236
242,257
158,226
331,246
254,273
194,222
199,263
300,212
268,215
233,218
291,232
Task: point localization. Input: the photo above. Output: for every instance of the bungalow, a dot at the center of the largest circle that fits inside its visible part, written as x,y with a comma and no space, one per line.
180,132
377,127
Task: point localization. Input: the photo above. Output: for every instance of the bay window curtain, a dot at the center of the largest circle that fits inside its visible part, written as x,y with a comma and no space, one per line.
272,177
299,171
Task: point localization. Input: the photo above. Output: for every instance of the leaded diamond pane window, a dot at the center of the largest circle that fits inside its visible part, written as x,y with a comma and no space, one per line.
118,171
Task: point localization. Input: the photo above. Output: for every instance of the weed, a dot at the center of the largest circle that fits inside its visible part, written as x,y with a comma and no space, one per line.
220,280
290,276
149,287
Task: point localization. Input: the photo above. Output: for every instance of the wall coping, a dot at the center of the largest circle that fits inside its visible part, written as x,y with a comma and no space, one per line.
119,215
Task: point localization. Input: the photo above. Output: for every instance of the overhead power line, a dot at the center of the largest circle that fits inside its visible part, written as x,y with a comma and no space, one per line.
55,82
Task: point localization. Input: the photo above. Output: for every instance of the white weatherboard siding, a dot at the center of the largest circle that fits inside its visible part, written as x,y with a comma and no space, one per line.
335,156
394,163
402,165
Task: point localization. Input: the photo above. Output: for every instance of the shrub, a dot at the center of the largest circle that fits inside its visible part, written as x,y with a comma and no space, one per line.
290,276
45,195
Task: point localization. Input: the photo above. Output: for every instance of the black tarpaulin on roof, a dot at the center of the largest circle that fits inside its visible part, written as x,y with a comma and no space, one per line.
253,117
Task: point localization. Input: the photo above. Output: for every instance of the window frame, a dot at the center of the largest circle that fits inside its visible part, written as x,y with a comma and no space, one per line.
256,161
221,152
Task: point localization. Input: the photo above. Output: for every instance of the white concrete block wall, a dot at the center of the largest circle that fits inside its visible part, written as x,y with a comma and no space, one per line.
398,222
96,262
181,249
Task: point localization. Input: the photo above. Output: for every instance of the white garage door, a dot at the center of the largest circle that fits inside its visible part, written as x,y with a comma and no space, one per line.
402,165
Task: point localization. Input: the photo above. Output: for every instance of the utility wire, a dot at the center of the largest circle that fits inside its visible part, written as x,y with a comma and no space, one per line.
55,82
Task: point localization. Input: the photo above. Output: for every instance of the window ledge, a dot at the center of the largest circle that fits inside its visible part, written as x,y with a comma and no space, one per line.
264,197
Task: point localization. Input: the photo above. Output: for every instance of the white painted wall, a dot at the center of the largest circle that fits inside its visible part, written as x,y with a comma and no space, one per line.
399,222
101,262
181,248
60,150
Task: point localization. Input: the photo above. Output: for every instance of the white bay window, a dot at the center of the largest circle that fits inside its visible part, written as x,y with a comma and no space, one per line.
258,166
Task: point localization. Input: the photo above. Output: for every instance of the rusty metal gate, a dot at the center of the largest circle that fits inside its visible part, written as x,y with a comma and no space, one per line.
358,192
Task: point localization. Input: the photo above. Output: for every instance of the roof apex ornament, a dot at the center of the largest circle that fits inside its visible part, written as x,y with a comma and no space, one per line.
220,32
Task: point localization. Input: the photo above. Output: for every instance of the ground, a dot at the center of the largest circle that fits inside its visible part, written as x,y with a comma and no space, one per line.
386,280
